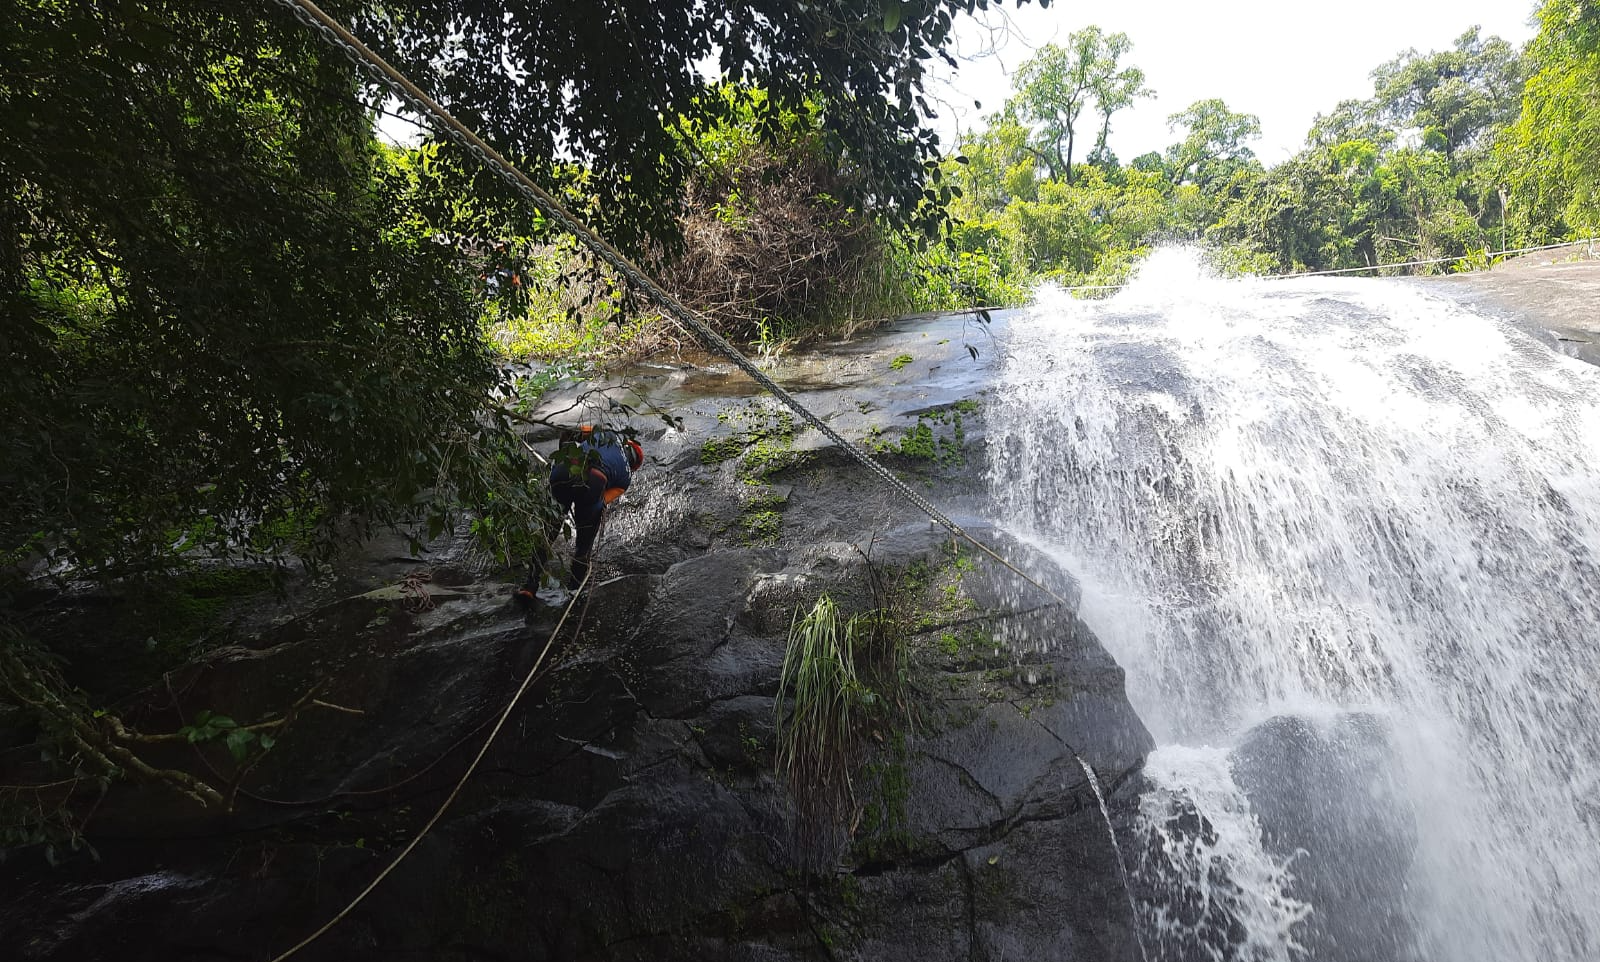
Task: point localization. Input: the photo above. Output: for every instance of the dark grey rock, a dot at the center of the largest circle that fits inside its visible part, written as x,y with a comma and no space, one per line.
1326,797
629,809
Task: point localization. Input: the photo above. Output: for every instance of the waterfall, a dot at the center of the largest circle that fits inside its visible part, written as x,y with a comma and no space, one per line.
1342,535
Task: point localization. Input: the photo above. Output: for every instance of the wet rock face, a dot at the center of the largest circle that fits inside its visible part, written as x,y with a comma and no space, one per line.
1190,904
1326,799
629,809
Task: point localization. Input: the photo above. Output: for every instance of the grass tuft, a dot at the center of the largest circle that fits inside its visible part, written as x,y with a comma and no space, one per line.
843,679
828,709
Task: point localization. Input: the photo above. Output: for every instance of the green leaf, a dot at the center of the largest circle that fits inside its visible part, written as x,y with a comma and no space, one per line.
238,742
892,15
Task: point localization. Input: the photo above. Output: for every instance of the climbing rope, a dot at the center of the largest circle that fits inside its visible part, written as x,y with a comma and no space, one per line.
379,71
1432,260
1370,267
505,715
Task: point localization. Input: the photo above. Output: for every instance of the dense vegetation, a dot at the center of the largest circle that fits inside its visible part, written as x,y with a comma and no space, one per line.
1452,156
237,326
1456,153
217,321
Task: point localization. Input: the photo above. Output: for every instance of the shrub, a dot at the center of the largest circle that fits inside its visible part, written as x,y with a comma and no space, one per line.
772,253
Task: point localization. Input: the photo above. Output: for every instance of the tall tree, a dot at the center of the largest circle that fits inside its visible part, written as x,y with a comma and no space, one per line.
1350,120
1213,146
1054,87
1116,92
1455,98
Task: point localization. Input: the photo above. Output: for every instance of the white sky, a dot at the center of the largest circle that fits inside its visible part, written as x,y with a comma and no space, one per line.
1281,60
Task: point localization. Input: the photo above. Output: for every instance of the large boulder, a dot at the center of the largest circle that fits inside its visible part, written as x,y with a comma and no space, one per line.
630,808
1325,794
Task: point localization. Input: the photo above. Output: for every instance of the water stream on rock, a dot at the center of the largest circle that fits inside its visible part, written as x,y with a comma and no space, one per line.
1343,536
1116,847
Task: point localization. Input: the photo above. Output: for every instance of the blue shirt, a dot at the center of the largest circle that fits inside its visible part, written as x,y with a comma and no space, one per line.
613,461
602,450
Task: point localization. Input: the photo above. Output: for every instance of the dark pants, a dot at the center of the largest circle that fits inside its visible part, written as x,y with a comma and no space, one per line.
584,499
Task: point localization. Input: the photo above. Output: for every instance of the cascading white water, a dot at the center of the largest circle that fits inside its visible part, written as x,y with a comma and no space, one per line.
1213,877
1354,502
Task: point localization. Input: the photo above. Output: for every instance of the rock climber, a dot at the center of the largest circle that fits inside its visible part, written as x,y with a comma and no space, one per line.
584,480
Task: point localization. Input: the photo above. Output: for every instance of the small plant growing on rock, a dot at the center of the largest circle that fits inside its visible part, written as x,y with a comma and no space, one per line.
928,439
828,704
841,679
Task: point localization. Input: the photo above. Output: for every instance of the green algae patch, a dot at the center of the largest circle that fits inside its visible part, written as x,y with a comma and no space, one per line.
938,437
761,443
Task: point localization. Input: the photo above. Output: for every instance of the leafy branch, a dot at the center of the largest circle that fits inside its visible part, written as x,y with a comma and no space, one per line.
100,748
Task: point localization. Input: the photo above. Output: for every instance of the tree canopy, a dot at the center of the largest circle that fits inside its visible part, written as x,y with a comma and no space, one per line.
1455,98
1552,153
1214,142
605,85
1453,154
215,317
227,302
1055,86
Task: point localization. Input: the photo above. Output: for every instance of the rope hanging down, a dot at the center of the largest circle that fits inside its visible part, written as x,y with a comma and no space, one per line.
380,72
505,715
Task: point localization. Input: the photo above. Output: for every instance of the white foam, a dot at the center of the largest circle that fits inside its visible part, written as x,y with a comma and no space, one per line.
1336,494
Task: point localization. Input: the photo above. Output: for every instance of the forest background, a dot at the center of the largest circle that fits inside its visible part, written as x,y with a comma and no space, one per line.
1456,154
241,331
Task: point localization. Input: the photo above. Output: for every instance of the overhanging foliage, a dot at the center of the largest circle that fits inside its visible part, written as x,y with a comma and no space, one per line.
550,81
215,320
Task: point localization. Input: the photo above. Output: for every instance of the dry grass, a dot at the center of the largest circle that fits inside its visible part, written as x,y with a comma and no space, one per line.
772,254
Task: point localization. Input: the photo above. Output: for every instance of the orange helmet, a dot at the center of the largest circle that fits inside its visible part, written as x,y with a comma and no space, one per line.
634,453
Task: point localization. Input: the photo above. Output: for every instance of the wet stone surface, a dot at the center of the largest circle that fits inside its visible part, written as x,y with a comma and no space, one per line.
630,808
